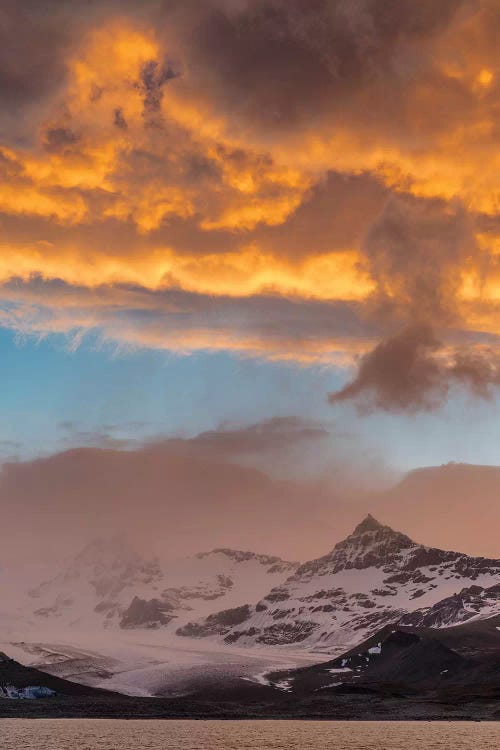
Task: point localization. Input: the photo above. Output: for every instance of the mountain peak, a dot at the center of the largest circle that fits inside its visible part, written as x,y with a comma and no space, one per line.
367,524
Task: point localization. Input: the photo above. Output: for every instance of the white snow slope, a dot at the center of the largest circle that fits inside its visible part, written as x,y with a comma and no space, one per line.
108,584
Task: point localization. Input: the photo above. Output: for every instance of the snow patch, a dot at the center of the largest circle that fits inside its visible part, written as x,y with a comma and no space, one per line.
285,685
340,670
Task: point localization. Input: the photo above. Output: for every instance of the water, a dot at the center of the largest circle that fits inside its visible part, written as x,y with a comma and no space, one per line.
103,734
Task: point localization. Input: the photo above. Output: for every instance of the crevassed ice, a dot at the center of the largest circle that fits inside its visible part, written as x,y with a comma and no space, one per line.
31,692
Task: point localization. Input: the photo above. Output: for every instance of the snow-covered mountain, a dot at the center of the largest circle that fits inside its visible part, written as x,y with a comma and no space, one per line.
110,584
95,586
373,578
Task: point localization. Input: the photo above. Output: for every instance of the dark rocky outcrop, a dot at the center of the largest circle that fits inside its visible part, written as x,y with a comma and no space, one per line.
216,624
142,613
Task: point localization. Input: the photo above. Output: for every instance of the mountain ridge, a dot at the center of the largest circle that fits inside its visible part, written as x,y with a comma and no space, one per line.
374,577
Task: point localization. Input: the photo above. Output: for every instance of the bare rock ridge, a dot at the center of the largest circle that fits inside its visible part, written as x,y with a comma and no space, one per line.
373,578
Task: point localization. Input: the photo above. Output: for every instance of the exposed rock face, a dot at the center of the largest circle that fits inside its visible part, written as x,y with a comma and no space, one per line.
146,614
469,603
219,623
374,577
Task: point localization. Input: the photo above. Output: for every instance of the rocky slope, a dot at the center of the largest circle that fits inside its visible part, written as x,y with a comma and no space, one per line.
375,577
463,656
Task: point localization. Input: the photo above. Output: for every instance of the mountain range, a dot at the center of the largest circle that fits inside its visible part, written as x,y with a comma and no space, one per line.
373,578
383,624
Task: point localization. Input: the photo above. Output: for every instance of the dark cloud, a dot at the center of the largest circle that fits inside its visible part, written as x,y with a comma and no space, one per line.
119,120
275,62
57,139
272,435
336,214
154,76
32,56
35,41
477,370
279,439
417,251
282,446
411,372
10,444
284,62
399,374
99,438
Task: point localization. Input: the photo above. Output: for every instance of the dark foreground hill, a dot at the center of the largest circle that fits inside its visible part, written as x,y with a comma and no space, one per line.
401,673
18,682
463,661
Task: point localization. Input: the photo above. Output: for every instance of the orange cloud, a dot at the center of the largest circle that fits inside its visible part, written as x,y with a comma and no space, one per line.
178,155
335,276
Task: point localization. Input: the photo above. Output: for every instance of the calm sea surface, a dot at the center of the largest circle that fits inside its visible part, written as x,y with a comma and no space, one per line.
101,734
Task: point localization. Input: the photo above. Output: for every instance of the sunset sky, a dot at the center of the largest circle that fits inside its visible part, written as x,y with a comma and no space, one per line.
275,217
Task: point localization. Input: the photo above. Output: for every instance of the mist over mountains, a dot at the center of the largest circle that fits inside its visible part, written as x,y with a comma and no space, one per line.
373,578
235,625
177,501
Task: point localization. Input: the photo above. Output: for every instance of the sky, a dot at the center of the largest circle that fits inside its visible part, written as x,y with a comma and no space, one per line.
269,224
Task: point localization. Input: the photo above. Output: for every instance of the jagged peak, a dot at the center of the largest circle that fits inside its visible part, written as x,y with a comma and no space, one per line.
368,524
371,534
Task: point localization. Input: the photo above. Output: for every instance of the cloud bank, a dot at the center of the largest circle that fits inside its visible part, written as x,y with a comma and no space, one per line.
238,486
179,496
277,179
